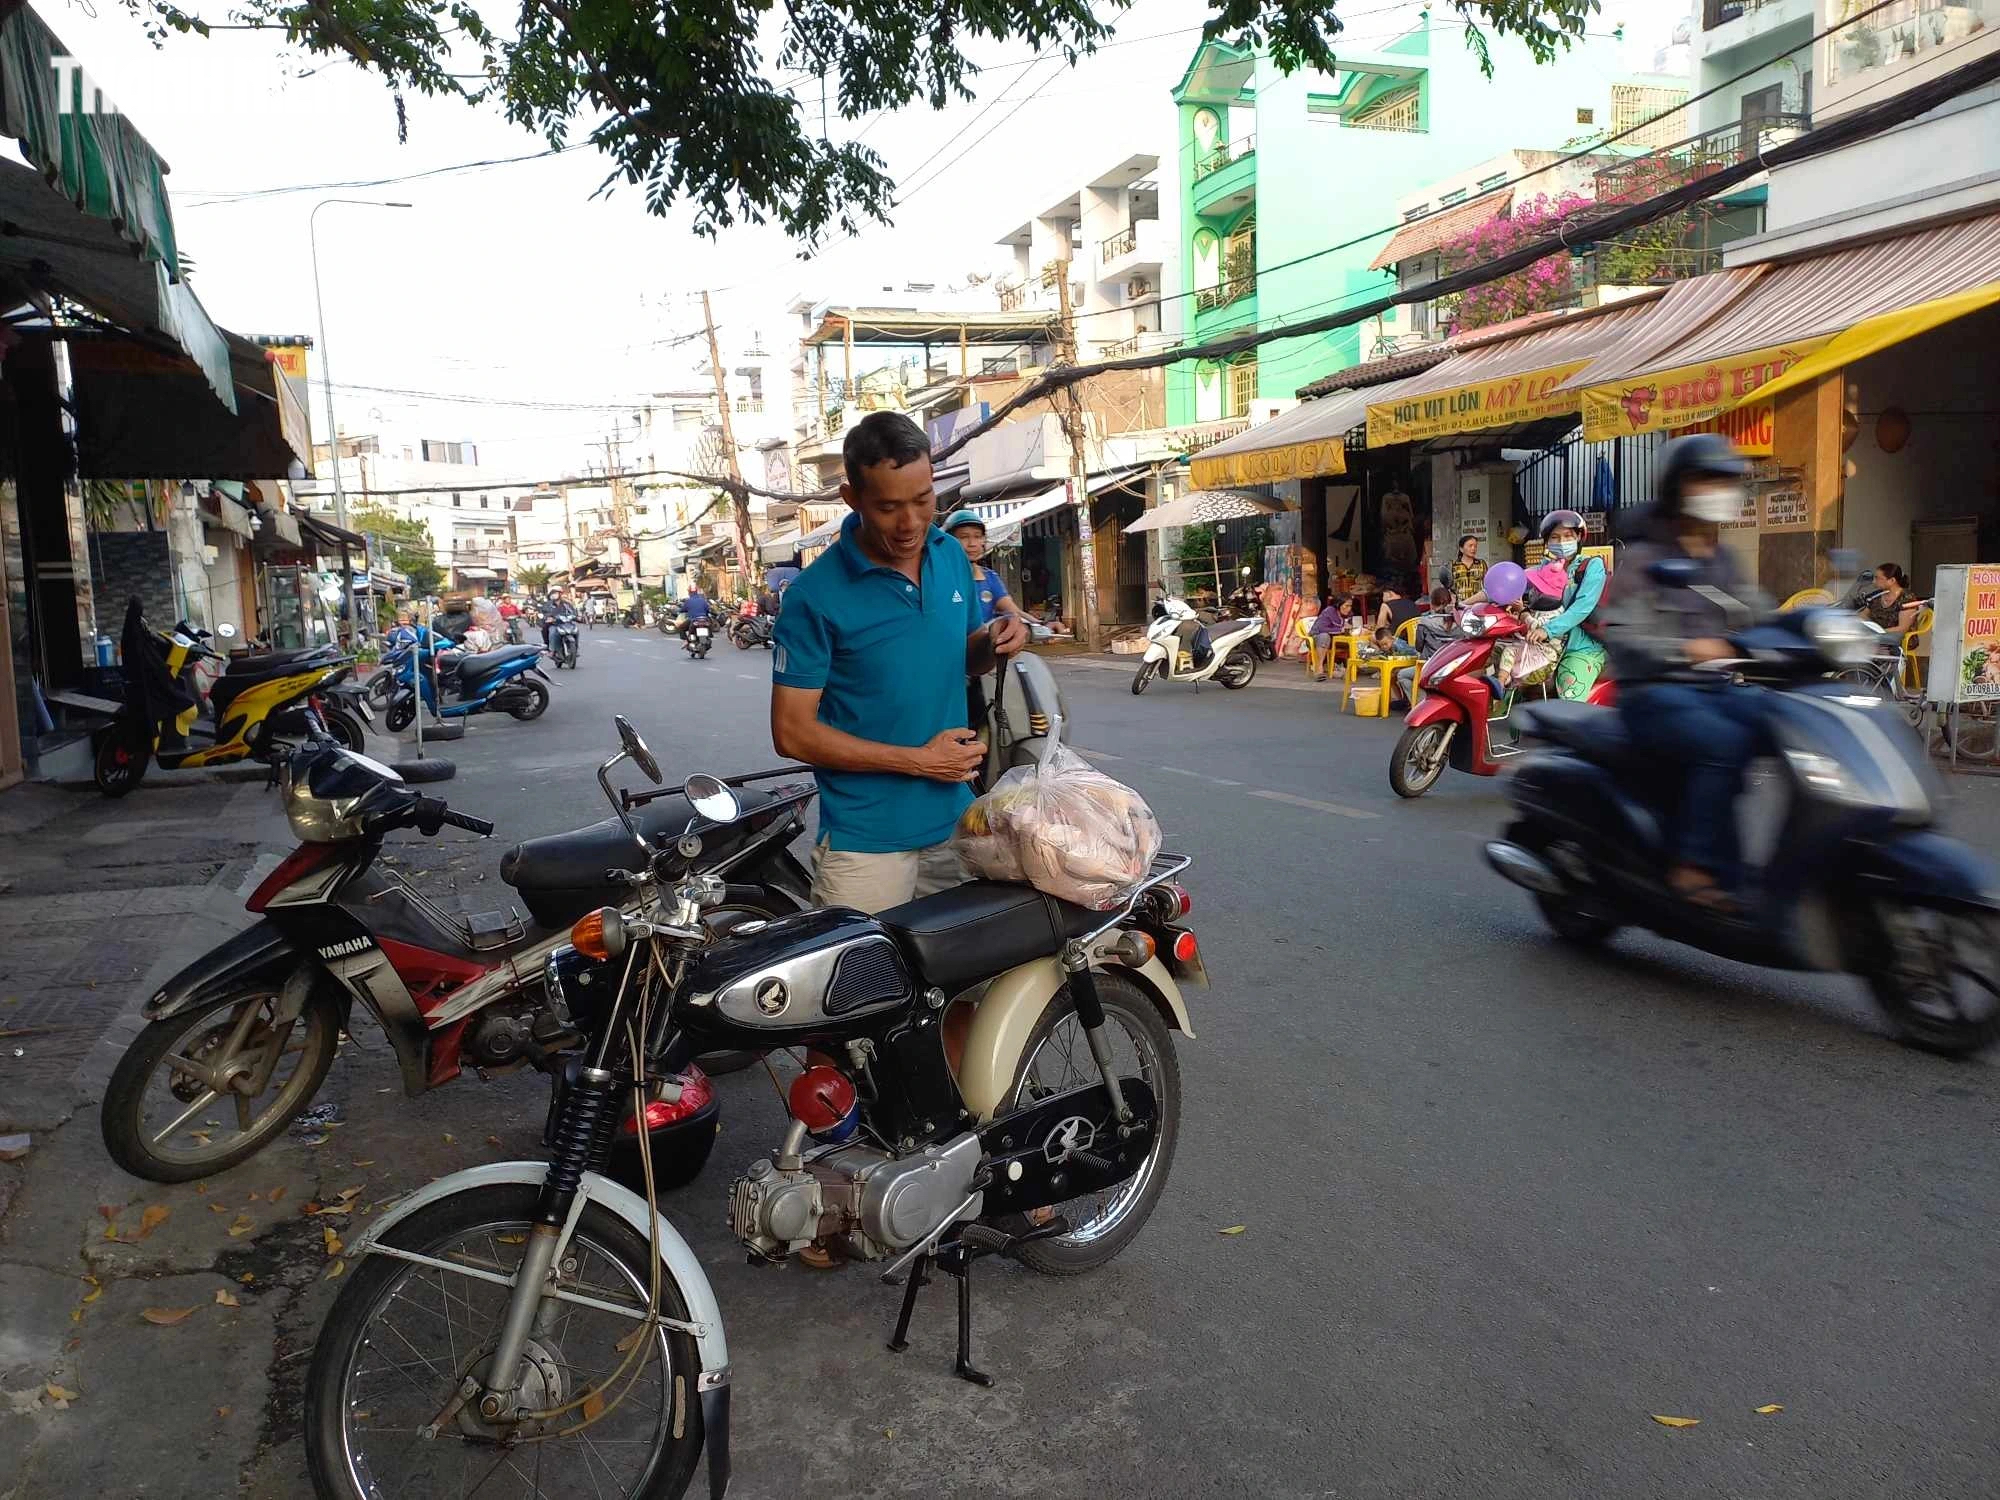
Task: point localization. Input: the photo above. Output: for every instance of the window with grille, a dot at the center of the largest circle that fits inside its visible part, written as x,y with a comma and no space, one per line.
1398,110
1634,105
1242,385
1487,184
1452,199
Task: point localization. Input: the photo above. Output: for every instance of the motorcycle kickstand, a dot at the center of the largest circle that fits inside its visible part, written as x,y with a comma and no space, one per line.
955,1259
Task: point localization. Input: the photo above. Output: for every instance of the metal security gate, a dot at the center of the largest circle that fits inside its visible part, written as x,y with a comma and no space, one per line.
1609,475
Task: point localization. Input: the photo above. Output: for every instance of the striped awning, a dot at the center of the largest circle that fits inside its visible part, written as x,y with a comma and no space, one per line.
1762,321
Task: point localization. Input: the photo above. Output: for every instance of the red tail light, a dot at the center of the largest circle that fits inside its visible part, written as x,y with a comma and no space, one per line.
295,866
1185,948
695,1096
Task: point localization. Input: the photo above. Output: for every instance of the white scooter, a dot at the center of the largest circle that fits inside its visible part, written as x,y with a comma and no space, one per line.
1170,647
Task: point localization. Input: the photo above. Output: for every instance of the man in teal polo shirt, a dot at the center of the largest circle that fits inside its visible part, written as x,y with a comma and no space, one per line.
873,649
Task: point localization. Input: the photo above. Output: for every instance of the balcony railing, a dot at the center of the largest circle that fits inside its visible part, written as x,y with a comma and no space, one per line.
1716,13
1122,243
1223,155
1119,347
1693,159
1013,295
1235,289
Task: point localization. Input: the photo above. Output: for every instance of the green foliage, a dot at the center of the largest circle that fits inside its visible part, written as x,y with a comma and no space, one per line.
407,545
1200,547
534,578
678,97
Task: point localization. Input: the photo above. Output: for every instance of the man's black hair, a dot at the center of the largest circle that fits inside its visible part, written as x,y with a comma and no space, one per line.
882,437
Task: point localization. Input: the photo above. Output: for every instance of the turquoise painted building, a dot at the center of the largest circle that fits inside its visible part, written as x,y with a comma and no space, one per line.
1273,169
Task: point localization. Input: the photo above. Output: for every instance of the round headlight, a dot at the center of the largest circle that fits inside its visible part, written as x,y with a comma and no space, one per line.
1845,639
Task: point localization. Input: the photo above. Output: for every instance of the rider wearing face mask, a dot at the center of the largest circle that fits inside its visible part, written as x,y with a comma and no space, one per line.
1656,632
1572,626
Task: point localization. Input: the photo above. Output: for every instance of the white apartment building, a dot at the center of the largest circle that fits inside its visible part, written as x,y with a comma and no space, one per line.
466,508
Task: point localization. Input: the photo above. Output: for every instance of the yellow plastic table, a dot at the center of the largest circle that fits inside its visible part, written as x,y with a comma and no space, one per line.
1388,666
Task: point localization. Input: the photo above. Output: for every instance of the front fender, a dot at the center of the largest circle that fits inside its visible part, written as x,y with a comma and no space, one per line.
703,1310
1930,869
259,951
1433,708
1004,1018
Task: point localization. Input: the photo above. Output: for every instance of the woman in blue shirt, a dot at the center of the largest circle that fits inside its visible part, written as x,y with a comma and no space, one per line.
970,532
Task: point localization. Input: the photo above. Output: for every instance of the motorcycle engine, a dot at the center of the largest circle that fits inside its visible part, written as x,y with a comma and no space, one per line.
856,1198
497,1036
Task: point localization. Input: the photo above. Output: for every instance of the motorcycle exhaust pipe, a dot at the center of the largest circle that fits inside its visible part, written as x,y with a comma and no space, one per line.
1526,870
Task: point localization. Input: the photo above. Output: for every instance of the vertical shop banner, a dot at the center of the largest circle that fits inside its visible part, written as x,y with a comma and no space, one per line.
1978,664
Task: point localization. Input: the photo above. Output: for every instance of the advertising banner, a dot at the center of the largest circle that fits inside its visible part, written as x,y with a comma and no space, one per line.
1325,456
1474,408
1965,657
1687,396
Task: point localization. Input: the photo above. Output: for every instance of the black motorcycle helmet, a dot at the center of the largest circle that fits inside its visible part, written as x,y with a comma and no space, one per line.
1701,455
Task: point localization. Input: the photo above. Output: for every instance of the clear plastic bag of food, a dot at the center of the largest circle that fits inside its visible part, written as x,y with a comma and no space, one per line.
1064,827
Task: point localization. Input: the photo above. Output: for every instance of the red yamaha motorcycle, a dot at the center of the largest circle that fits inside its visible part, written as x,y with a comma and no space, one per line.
240,1040
1455,722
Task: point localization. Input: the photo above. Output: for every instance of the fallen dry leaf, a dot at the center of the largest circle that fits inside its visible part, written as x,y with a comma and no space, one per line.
346,1194
201,1187
155,1215
247,1277
253,1197
200,1137
332,1242
218,1208
166,1317
631,1340
512,1239
368,1163
1677,1421
59,1393
223,1411
275,1194
493,1140
96,1289
1765,1411
335,1269
450,1139
1233,1229
226,1297
76,1315
593,1406
109,1211
243,1225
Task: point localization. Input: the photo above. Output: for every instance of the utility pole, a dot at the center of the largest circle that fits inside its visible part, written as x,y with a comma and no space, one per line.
1088,625
738,496
569,533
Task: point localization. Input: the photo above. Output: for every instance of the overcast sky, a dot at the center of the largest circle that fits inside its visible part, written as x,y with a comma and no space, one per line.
511,285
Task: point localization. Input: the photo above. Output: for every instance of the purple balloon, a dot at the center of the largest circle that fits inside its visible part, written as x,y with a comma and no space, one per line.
1505,583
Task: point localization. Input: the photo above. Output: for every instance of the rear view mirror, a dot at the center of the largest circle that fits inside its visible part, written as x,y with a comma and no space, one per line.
226,631
713,800
636,748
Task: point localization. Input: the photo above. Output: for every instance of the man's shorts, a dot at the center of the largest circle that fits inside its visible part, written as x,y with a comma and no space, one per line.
875,882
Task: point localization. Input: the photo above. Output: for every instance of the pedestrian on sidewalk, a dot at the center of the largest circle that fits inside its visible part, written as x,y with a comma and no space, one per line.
873,648
1466,576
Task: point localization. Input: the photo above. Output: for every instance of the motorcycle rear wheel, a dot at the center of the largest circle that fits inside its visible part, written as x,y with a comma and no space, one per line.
537,704
1144,678
360,1434
146,1149
1418,760
1945,999
1239,670
402,713
1057,1058
346,731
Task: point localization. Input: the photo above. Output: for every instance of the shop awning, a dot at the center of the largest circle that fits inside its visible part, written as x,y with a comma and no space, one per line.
1005,531
1204,507
142,410
823,534
1433,230
1766,320
991,511
713,544
779,548
1297,444
1507,381
225,507
476,575
280,526
324,532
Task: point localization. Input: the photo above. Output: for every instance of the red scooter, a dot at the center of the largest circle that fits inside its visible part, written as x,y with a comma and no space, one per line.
1453,722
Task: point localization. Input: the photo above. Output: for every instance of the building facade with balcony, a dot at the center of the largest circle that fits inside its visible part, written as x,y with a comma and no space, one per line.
1117,232
1289,186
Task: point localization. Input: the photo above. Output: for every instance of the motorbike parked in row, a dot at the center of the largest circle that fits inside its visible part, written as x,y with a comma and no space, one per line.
751,631
239,1041
259,708
1181,648
1049,1141
507,678
1859,880
1456,719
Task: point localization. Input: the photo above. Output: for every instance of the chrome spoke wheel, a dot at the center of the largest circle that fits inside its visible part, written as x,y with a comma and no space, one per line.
202,1100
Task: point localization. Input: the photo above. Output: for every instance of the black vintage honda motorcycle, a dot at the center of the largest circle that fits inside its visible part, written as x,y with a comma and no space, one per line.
585,1338
240,1040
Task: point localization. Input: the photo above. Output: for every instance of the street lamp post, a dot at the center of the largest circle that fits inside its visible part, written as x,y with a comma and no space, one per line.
326,378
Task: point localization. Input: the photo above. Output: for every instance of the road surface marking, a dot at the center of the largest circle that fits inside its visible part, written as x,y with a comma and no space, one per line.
1177,771
1220,781
749,676
1098,754
1326,807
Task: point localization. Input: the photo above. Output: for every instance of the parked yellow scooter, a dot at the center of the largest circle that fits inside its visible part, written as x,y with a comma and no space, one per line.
262,707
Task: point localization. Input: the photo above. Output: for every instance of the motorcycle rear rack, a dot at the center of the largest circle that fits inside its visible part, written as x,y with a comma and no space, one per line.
494,929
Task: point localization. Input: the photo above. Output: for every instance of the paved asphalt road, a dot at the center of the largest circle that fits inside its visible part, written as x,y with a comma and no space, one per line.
1503,1202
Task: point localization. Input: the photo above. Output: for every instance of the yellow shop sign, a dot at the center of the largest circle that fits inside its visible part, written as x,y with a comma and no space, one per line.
1473,408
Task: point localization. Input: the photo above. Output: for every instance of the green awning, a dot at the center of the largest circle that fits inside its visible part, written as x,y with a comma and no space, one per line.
100,163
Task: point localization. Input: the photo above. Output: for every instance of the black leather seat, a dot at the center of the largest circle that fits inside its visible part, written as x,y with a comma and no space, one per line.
484,664
983,928
1597,734
267,663
227,688
561,877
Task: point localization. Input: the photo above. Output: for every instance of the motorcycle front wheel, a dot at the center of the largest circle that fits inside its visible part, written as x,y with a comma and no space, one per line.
1418,760
1144,679
536,702
179,1105
1939,978
1056,1059
403,1338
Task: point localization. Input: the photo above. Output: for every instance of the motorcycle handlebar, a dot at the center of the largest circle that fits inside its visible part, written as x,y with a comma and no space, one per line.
469,823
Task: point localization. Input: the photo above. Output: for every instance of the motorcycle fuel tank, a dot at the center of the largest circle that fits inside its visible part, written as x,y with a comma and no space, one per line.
809,974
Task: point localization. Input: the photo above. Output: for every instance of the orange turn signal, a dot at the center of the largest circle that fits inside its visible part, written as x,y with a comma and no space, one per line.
598,934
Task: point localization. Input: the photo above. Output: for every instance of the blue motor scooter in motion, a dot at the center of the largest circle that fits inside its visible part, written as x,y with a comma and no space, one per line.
507,678
1860,880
